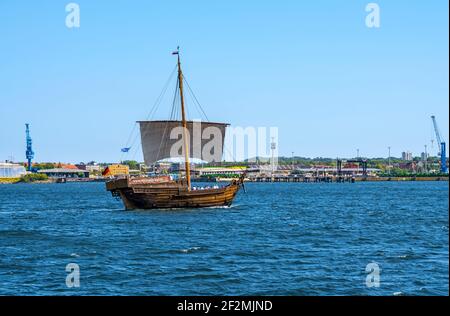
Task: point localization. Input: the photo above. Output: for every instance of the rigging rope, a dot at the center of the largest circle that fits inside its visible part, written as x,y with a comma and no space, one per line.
197,103
195,98
174,114
149,115
163,139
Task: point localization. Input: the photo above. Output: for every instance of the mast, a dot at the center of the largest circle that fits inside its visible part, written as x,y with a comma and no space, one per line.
183,123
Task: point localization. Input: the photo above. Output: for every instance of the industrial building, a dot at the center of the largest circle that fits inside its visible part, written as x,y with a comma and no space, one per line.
11,170
93,168
407,156
65,173
116,170
236,171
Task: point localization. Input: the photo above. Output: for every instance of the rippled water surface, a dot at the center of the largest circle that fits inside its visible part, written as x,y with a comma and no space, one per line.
277,239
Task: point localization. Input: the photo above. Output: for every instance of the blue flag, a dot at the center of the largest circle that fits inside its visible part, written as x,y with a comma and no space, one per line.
125,150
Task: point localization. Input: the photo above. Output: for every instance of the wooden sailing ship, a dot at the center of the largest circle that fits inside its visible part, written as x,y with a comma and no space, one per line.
161,191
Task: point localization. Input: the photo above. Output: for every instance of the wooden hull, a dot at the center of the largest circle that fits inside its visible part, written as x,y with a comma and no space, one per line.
137,195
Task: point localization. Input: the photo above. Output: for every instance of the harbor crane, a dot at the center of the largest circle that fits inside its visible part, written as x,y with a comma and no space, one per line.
29,153
442,146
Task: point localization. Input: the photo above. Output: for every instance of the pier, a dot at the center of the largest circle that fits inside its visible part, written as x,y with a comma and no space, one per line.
342,179
327,179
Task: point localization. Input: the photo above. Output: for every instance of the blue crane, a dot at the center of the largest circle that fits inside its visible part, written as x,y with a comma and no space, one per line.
441,145
29,153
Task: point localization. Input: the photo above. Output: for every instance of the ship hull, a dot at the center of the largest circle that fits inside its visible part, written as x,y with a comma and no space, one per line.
170,195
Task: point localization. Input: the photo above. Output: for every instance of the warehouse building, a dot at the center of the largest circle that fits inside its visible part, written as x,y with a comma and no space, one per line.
234,171
116,170
65,173
11,170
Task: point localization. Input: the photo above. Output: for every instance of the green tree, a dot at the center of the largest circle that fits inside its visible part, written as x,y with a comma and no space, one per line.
132,164
32,177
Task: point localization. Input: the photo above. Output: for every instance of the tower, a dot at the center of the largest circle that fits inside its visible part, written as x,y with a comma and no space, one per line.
29,152
273,146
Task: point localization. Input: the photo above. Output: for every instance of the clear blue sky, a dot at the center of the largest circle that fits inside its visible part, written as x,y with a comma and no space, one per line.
312,68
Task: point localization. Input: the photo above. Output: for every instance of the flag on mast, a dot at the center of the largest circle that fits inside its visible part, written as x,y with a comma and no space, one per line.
106,171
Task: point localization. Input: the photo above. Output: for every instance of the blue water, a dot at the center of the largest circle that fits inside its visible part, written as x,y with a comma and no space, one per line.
277,239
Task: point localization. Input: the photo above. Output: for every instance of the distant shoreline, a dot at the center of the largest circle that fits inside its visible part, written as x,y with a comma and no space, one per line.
51,180
399,179
258,180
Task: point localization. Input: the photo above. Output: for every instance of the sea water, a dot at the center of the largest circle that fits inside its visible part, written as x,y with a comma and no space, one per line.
386,238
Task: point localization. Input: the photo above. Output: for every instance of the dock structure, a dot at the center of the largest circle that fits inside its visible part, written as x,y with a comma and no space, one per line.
311,179
341,179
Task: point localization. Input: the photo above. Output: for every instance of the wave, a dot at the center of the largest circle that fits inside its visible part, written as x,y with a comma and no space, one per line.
189,250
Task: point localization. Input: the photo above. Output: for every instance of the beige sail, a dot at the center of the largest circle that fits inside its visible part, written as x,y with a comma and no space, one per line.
164,139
